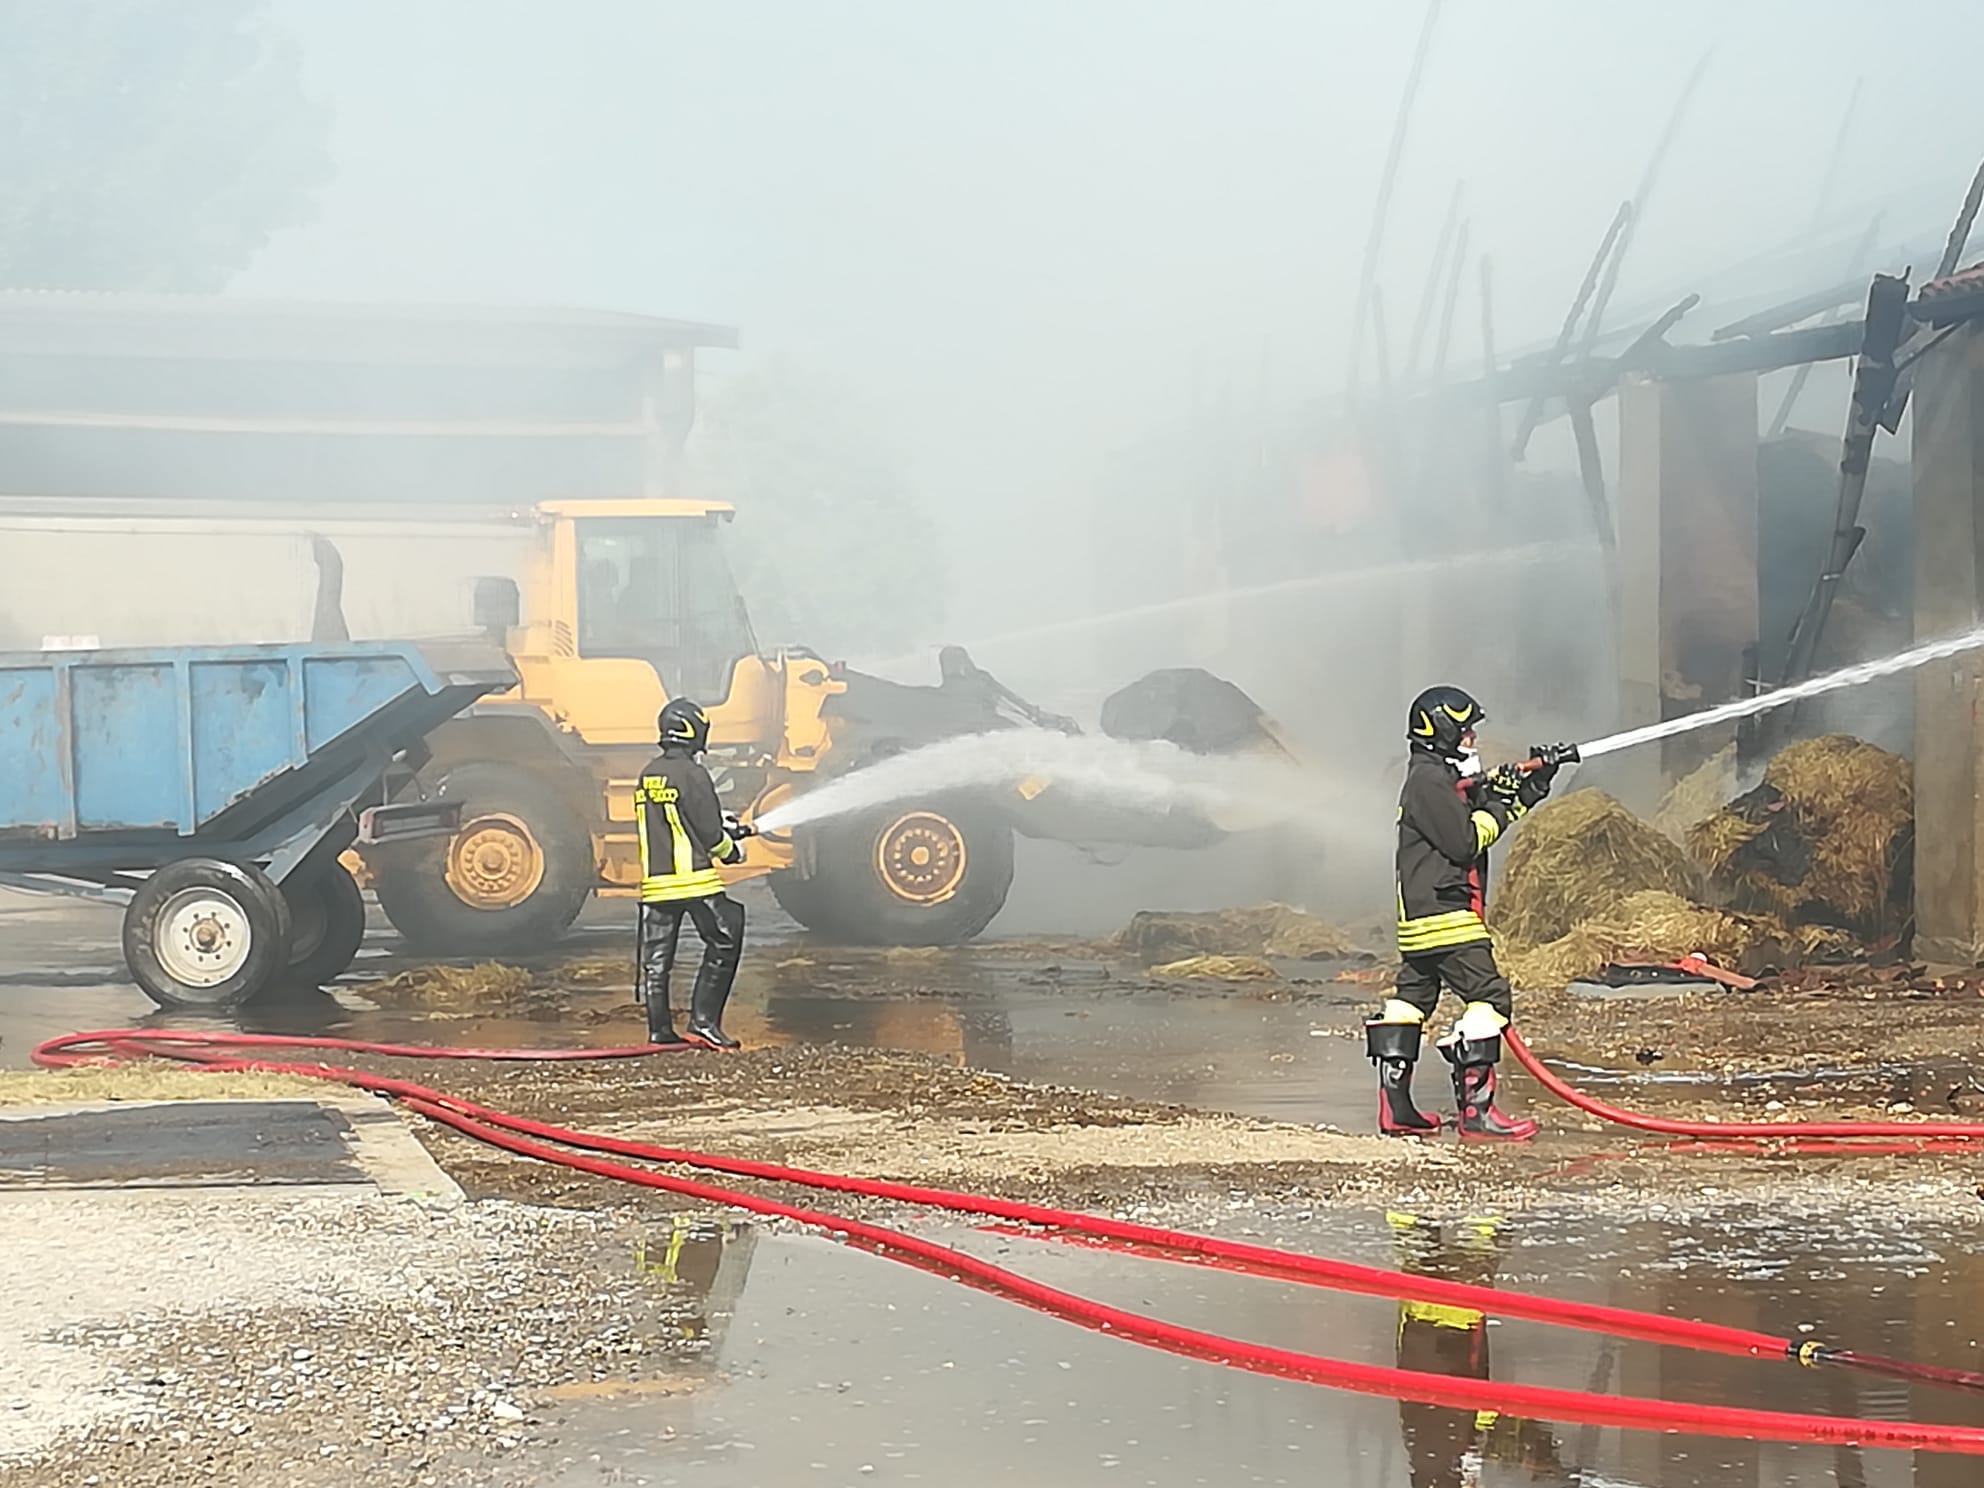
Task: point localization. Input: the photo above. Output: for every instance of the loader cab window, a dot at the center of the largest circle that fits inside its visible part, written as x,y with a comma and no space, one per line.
659,589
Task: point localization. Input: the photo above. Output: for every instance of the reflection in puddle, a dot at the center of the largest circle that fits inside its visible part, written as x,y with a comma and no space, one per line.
827,1365
1450,1447
701,1263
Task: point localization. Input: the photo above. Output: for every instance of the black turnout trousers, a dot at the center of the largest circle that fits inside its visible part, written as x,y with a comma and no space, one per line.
1469,971
719,921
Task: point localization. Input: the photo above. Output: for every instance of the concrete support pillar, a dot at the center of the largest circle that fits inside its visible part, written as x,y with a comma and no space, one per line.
1948,473
1686,513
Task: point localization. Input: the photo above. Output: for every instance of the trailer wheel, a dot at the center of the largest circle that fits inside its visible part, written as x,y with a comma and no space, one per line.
513,877
925,873
203,933
327,925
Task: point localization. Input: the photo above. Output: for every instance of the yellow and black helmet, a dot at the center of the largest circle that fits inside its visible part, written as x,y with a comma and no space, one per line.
683,724
1439,716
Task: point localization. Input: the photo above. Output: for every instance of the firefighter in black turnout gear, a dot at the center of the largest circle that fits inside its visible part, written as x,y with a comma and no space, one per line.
684,834
1448,816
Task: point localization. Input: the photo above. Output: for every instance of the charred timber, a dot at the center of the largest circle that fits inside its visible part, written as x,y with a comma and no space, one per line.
1654,358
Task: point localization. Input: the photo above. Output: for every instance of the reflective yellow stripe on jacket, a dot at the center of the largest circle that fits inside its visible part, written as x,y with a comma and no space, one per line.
1437,932
669,886
663,888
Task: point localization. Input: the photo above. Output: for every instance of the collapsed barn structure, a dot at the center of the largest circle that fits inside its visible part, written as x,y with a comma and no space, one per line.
1720,490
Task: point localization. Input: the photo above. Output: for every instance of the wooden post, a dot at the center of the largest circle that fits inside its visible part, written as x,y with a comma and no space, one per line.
1435,274
1445,337
1374,240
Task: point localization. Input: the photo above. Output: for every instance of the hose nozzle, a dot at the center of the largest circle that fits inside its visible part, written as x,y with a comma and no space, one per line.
1548,757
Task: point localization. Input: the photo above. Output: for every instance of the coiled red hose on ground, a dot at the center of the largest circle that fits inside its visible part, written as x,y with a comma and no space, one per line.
1565,1406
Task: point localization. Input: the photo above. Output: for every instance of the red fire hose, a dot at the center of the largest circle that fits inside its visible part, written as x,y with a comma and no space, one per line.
1570,1406
1802,1132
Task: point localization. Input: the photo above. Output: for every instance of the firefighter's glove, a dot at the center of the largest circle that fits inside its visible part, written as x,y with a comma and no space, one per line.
1505,783
1551,761
1535,788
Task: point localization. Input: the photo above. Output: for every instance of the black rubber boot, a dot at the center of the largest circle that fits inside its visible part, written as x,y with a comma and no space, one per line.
661,1023
706,1002
1474,1063
720,921
1394,1049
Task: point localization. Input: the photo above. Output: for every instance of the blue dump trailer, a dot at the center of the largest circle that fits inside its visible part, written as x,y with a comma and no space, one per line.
211,790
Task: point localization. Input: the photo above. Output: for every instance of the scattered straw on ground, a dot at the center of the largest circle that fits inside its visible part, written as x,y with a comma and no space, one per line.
878,1144
1272,930
145,1082
1579,857
1824,839
491,981
594,971
1216,968
1379,974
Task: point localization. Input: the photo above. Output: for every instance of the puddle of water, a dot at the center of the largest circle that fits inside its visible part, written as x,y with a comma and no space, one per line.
1222,1053
814,1363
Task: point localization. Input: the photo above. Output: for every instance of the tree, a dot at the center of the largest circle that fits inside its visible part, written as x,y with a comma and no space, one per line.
832,549
150,144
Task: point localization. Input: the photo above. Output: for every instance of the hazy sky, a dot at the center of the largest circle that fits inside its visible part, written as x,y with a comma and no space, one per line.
1022,230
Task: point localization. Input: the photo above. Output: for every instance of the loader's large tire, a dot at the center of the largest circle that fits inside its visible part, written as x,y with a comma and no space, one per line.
802,898
205,933
512,879
922,873
327,925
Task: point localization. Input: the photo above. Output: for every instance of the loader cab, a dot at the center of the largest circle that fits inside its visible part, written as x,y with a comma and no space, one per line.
649,581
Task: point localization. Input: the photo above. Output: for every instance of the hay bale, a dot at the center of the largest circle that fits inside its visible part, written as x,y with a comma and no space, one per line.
1652,925
1697,796
1826,839
1657,926
1217,968
1155,936
1576,858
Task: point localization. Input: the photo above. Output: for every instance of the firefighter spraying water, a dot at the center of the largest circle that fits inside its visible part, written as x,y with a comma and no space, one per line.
1449,815
684,835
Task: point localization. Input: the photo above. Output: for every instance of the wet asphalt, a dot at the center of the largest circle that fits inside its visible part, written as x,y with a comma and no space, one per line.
806,1362
822,1365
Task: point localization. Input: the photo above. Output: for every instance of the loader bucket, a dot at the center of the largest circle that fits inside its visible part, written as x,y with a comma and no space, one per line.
1193,709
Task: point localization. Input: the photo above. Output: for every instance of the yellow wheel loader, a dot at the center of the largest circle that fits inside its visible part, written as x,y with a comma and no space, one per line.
625,603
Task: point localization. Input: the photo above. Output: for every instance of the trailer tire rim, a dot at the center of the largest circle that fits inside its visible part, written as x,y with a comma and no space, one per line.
921,857
495,862
202,937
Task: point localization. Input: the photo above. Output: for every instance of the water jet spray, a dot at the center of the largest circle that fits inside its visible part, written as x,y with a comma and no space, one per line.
1852,676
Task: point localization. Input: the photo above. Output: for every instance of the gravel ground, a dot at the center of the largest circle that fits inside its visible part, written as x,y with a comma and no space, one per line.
259,1336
